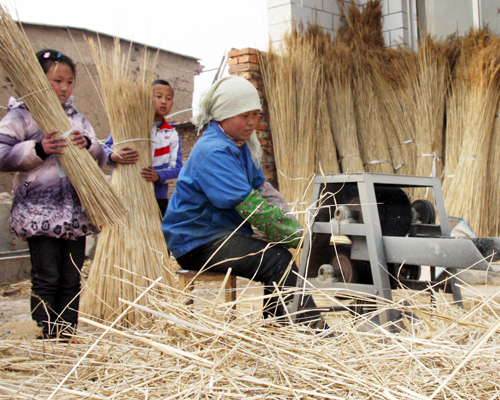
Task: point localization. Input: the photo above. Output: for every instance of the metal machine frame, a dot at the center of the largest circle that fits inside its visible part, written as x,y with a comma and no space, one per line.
436,249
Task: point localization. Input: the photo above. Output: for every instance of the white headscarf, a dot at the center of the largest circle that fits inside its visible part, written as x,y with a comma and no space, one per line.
226,98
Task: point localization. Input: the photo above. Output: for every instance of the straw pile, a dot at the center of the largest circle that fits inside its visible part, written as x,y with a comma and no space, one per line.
127,259
468,196
298,114
440,352
100,201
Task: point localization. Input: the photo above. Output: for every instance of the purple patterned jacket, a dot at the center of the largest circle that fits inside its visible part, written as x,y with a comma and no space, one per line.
45,202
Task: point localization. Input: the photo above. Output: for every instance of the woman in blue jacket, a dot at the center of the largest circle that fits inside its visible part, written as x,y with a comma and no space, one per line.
221,192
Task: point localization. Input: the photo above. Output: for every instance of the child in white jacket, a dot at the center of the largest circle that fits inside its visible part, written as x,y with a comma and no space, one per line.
46,210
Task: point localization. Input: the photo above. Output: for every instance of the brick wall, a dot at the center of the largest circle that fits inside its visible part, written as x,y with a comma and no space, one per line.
245,63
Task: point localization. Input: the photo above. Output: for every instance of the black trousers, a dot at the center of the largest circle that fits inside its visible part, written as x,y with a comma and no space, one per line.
249,258
163,204
55,278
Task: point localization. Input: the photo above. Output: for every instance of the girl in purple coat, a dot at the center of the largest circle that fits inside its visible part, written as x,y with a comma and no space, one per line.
46,210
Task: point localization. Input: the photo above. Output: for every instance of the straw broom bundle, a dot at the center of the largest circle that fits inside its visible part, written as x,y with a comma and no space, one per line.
129,258
494,179
291,83
363,32
338,71
364,24
100,201
390,107
457,100
430,87
402,74
391,72
326,152
467,197
370,124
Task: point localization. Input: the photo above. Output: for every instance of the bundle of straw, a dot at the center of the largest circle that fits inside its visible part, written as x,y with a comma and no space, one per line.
363,34
390,74
363,24
458,100
467,197
430,87
129,258
370,124
494,179
338,71
100,201
326,152
294,88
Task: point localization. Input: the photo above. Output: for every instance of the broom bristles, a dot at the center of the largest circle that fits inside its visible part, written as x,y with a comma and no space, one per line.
132,257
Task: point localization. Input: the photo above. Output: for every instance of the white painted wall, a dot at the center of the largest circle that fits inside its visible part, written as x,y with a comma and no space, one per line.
440,17
281,14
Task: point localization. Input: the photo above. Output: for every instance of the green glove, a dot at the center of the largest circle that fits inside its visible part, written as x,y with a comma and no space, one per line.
270,219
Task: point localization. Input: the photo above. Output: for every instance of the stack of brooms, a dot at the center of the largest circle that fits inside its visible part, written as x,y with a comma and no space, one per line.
129,258
386,110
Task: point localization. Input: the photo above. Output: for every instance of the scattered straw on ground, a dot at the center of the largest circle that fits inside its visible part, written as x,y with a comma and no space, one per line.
209,350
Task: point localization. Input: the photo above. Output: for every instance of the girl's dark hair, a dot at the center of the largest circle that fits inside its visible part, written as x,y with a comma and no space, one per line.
47,58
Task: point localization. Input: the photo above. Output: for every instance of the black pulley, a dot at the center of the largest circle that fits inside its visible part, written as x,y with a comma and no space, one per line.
426,213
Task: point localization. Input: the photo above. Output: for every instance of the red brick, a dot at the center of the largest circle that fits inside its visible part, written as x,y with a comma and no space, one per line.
243,68
262,127
233,53
248,59
232,61
248,50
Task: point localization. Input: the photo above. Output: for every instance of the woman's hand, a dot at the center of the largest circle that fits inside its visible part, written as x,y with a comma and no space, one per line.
52,144
124,155
149,174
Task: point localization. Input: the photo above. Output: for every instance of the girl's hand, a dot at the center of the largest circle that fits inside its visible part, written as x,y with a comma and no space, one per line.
124,155
52,144
149,174
78,139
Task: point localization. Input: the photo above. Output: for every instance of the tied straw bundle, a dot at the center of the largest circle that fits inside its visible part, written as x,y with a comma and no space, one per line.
467,197
338,70
100,201
129,258
363,33
430,87
298,115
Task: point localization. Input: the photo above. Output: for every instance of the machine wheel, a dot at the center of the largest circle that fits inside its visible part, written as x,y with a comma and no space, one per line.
342,265
426,213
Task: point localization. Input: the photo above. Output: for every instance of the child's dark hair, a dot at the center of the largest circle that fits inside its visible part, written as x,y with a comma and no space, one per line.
161,82
47,58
